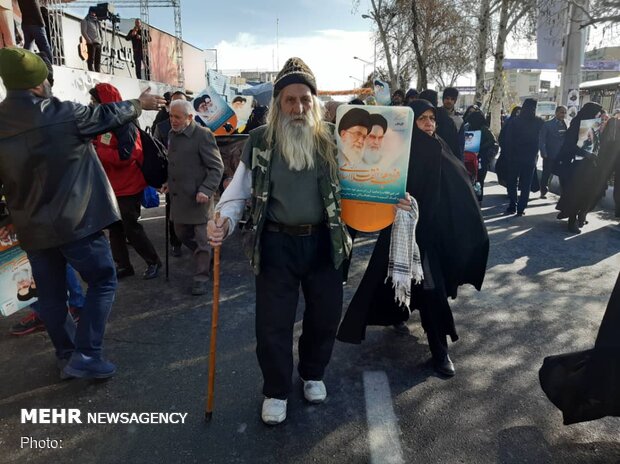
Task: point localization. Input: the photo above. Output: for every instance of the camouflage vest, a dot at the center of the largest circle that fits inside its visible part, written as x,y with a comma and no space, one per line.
261,180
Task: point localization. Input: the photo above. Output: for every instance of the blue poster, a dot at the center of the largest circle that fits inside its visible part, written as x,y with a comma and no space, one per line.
373,151
472,141
212,109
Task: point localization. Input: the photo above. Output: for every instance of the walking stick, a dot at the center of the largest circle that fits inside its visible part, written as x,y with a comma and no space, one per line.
167,235
214,316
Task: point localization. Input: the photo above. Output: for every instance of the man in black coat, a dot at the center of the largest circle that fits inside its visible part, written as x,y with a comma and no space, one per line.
59,200
520,147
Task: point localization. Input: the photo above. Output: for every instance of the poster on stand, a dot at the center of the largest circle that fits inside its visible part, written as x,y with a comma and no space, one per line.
374,143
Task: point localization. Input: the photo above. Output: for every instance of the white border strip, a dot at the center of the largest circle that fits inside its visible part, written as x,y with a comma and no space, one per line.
383,430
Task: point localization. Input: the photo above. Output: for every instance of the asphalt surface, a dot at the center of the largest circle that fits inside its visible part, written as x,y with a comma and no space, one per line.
544,293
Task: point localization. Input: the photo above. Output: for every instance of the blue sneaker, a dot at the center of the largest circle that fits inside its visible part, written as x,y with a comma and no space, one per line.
88,367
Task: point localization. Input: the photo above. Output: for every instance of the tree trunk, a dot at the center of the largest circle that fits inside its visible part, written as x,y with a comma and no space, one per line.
376,16
498,68
482,47
422,81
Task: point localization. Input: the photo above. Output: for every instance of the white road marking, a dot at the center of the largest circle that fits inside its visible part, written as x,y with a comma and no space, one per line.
383,430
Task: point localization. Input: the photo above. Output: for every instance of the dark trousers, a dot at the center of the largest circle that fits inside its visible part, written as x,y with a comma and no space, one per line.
94,57
482,175
174,240
130,229
194,237
91,257
286,263
521,173
37,35
431,319
617,187
138,59
546,175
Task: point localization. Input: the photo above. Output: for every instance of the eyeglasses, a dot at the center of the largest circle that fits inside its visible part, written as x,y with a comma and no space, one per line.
357,135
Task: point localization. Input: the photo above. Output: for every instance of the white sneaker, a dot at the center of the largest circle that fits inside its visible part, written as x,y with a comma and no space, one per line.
274,411
314,391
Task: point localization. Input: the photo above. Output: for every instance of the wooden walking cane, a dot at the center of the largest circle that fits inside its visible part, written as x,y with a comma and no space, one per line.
214,316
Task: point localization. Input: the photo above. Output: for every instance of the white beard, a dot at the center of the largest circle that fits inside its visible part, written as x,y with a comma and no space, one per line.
296,141
371,156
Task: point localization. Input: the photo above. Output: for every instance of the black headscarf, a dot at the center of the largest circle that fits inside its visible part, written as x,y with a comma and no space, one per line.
528,110
476,120
419,106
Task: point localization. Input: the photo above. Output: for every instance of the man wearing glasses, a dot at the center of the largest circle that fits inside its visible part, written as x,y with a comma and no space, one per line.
353,129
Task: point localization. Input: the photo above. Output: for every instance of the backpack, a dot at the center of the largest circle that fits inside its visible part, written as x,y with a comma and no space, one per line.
155,164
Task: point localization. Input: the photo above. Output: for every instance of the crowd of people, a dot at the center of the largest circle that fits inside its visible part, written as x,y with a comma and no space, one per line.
285,188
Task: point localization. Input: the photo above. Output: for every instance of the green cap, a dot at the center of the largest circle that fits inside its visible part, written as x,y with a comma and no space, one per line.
21,69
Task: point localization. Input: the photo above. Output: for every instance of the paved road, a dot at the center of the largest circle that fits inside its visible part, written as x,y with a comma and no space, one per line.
545,293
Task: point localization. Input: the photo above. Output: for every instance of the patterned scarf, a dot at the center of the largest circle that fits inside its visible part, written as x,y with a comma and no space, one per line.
404,262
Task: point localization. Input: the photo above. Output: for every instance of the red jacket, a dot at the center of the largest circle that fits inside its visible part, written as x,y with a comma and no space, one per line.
124,175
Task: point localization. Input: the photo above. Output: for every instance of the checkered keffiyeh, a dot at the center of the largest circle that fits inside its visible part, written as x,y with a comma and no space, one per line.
404,263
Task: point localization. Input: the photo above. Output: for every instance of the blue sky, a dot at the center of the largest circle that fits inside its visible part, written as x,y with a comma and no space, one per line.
325,34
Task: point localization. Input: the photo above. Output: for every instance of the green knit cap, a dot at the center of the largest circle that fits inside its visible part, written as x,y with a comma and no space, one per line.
21,69
295,71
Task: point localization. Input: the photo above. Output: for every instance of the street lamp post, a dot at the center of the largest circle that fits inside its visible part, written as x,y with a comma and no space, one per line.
374,58
364,68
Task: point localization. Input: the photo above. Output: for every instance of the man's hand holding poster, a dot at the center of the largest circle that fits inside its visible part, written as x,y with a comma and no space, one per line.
373,157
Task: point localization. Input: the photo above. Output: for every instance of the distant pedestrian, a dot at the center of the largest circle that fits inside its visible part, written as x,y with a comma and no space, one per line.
520,148
551,140
449,98
93,34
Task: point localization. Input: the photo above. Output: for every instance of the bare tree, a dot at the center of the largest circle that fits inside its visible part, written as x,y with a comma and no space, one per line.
440,40
599,11
511,12
390,35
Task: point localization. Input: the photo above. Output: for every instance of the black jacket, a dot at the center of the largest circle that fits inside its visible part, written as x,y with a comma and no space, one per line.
55,187
31,13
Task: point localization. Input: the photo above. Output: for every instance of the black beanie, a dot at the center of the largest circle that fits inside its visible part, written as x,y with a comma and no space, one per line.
295,71
429,95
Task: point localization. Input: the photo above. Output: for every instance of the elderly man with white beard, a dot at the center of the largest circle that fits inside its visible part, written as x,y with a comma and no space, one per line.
296,237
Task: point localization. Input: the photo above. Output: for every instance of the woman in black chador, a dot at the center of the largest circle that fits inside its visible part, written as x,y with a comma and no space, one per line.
586,385
579,173
453,242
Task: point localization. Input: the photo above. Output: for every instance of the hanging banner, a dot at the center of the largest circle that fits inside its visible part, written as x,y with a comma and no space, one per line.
213,112
546,109
572,103
373,158
550,30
